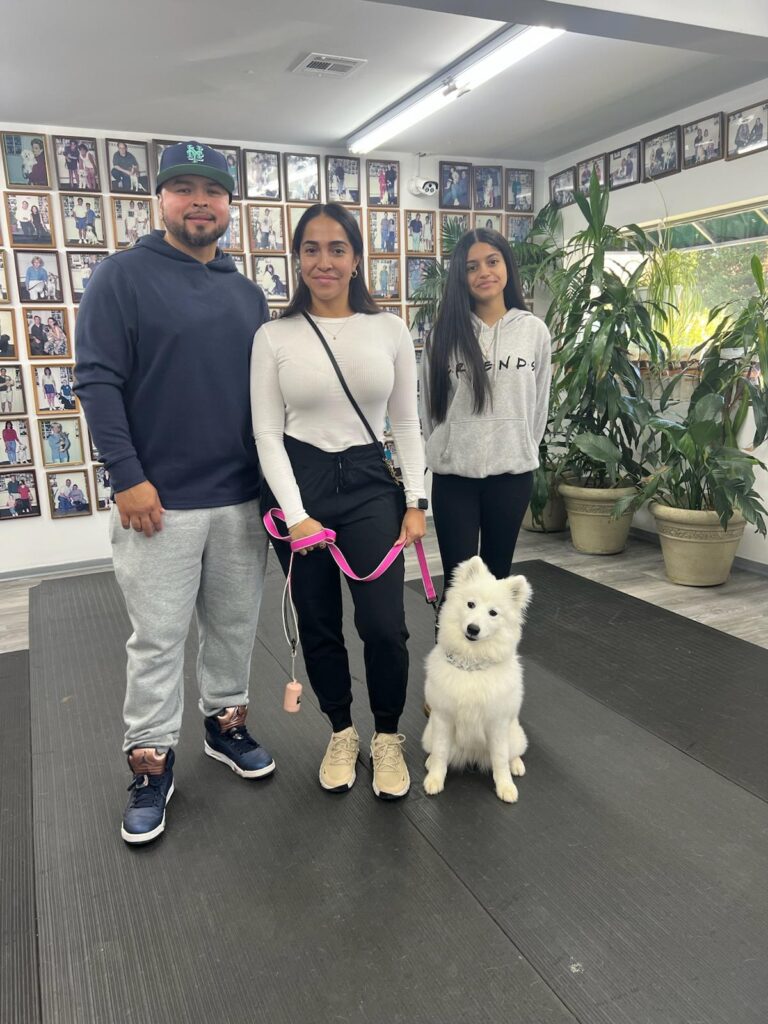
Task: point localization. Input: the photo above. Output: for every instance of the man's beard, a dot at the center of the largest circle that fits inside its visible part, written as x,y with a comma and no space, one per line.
197,239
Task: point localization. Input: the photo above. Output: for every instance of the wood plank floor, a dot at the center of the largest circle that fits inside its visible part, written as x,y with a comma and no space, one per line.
737,608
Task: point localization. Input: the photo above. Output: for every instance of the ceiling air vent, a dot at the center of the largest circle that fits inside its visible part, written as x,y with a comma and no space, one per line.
326,65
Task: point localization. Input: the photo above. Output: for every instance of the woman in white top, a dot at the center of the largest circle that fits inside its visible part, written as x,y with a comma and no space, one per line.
323,470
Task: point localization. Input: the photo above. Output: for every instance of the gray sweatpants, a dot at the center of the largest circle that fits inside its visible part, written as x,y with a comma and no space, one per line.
212,560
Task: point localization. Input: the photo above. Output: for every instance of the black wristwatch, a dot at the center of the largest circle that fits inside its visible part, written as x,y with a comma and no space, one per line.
422,504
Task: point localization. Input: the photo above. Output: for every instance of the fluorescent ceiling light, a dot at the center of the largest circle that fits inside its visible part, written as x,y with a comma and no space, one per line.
497,54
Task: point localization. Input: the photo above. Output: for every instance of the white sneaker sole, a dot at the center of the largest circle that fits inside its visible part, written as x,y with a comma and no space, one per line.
136,838
385,794
259,773
343,788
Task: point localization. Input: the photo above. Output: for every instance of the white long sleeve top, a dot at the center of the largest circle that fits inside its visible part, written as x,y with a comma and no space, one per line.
295,391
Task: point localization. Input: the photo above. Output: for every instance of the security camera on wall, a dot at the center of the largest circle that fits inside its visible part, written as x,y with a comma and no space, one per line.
423,186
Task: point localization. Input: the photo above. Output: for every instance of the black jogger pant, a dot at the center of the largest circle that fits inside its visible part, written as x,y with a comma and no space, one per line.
484,515
352,493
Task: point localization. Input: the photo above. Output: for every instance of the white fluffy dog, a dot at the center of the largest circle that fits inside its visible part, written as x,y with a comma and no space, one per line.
474,683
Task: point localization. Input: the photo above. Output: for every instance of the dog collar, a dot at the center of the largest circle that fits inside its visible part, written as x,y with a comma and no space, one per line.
465,665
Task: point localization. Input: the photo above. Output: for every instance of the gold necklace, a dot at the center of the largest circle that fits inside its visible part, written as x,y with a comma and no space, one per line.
327,329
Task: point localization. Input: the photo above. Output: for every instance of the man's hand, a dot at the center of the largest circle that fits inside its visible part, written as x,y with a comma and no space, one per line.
305,529
140,509
414,526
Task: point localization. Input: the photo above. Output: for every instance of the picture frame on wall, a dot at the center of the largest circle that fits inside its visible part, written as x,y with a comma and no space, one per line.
383,182
61,440
357,213
518,226
703,141
16,449
488,187
38,276
455,185
69,494
262,174
232,155
12,397
584,169
102,488
83,219
232,239
132,219
266,228
5,293
460,222
53,386
394,310
342,179
77,163
562,187
624,166
128,162
47,332
519,189
384,278
383,231
25,159
8,347
489,220
302,177
420,324
81,266
271,274
19,496
158,147
294,214
420,232
29,220
416,270
241,262
661,154
747,130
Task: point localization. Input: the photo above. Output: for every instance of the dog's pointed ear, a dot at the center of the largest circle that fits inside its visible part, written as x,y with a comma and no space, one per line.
472,569
521,591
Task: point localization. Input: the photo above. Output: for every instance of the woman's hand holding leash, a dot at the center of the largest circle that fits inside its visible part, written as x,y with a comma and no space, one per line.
306,528
414,527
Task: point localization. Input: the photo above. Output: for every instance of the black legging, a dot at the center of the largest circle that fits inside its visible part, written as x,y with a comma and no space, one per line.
482,514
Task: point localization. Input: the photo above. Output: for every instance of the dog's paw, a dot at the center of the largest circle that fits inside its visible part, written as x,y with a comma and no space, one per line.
516,766
434,784
507,791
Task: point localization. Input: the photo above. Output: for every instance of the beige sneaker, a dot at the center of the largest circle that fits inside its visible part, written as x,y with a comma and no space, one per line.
390,774
337,771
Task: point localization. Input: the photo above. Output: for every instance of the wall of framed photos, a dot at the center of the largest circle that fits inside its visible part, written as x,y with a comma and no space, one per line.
70,197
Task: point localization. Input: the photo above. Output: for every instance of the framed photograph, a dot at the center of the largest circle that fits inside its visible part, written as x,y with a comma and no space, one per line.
8,347
518,226
18,495
69,494
519,181
16,449
240,261
488,191
5,295
271,275
562,187
29,220
624,166
302,177
266,228
703,141
383,178
83,221
102,488
747,130
455,185
81,266
455,222
131,220
77,163
275,312
394,310
294,215
384,278
419,324
357,213
420,231
25,160
342,179
12,398
47,332
584,172
61,440
661,154
416,269
232,155
383,231
232,239
128,162
38,276
158,147
489,221
54,388
262,174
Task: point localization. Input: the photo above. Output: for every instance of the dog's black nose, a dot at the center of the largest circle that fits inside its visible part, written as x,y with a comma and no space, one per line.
473,630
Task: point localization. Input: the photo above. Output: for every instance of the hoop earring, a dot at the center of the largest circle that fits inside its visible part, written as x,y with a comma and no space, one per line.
354,273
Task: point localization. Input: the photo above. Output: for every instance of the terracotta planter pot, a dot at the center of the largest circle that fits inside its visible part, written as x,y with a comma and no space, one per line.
697,551
593,532
553,516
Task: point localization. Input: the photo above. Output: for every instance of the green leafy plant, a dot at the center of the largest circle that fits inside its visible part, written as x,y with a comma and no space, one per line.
430,291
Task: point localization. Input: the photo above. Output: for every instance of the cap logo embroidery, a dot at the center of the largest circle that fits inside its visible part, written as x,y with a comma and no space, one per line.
195,154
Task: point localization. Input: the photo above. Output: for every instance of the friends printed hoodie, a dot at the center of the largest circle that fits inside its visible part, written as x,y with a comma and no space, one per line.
505,437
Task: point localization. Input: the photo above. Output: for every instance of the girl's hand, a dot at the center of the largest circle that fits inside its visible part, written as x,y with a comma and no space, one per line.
305,529
414,526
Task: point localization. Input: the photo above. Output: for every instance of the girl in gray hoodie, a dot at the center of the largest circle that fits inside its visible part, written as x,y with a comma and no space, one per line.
486,375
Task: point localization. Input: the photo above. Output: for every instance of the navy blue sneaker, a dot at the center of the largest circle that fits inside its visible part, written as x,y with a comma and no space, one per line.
227,740
151,789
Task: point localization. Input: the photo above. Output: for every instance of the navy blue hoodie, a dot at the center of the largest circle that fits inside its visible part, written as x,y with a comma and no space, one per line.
163,347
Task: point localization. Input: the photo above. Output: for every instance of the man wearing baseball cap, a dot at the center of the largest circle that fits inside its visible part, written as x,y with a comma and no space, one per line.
163,347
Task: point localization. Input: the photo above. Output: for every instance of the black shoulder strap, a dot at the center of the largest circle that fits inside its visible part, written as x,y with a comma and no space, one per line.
339,374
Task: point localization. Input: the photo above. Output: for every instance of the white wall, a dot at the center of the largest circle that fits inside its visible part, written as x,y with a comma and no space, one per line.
699,189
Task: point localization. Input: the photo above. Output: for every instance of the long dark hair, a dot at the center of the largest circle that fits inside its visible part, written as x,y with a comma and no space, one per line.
453,336
359,297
